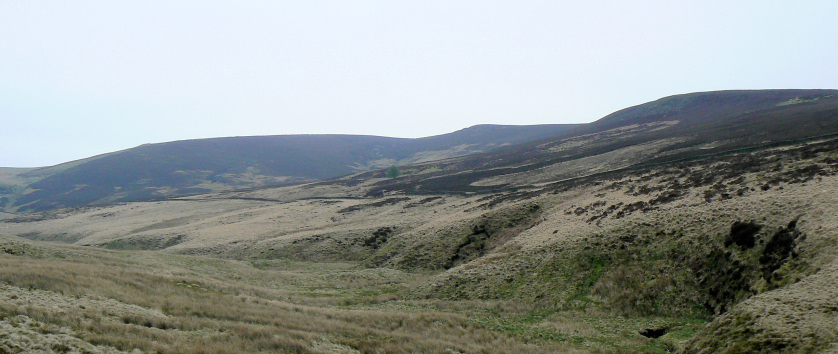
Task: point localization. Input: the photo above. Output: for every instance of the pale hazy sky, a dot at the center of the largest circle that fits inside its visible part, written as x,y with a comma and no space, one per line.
79,78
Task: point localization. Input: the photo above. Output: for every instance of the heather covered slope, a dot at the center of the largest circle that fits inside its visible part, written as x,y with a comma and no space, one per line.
744,242
200,166
647,236
670,129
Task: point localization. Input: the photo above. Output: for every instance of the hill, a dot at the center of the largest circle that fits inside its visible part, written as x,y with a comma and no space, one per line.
200,166
671,129
696,223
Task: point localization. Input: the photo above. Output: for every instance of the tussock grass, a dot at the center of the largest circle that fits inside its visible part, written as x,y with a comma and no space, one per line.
183,304
587,265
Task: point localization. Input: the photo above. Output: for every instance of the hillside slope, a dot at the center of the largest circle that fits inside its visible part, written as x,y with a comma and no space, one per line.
200,166
648,234
670,129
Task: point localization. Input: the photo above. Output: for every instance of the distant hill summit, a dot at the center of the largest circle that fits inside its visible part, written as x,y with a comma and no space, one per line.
704,108
701,222
673,128
205,165
483,158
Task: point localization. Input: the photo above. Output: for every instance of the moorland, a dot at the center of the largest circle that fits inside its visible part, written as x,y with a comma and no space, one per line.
703,222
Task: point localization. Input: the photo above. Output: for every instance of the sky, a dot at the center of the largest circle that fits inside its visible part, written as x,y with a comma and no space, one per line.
81,78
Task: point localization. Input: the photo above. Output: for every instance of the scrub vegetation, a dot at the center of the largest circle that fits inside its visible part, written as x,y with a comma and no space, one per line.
684,243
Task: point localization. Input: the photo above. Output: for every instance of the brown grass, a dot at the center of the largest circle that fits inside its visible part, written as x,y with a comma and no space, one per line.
181,304
542,285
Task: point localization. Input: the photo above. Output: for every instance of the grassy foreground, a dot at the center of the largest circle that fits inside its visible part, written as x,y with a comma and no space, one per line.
627,260
65,298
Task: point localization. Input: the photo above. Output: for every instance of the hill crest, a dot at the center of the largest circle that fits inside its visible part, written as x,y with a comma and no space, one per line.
182,167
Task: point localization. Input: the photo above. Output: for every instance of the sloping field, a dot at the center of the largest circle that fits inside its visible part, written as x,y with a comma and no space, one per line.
635,260
696,223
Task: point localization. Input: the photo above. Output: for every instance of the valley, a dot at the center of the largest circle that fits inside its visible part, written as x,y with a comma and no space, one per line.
696,223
